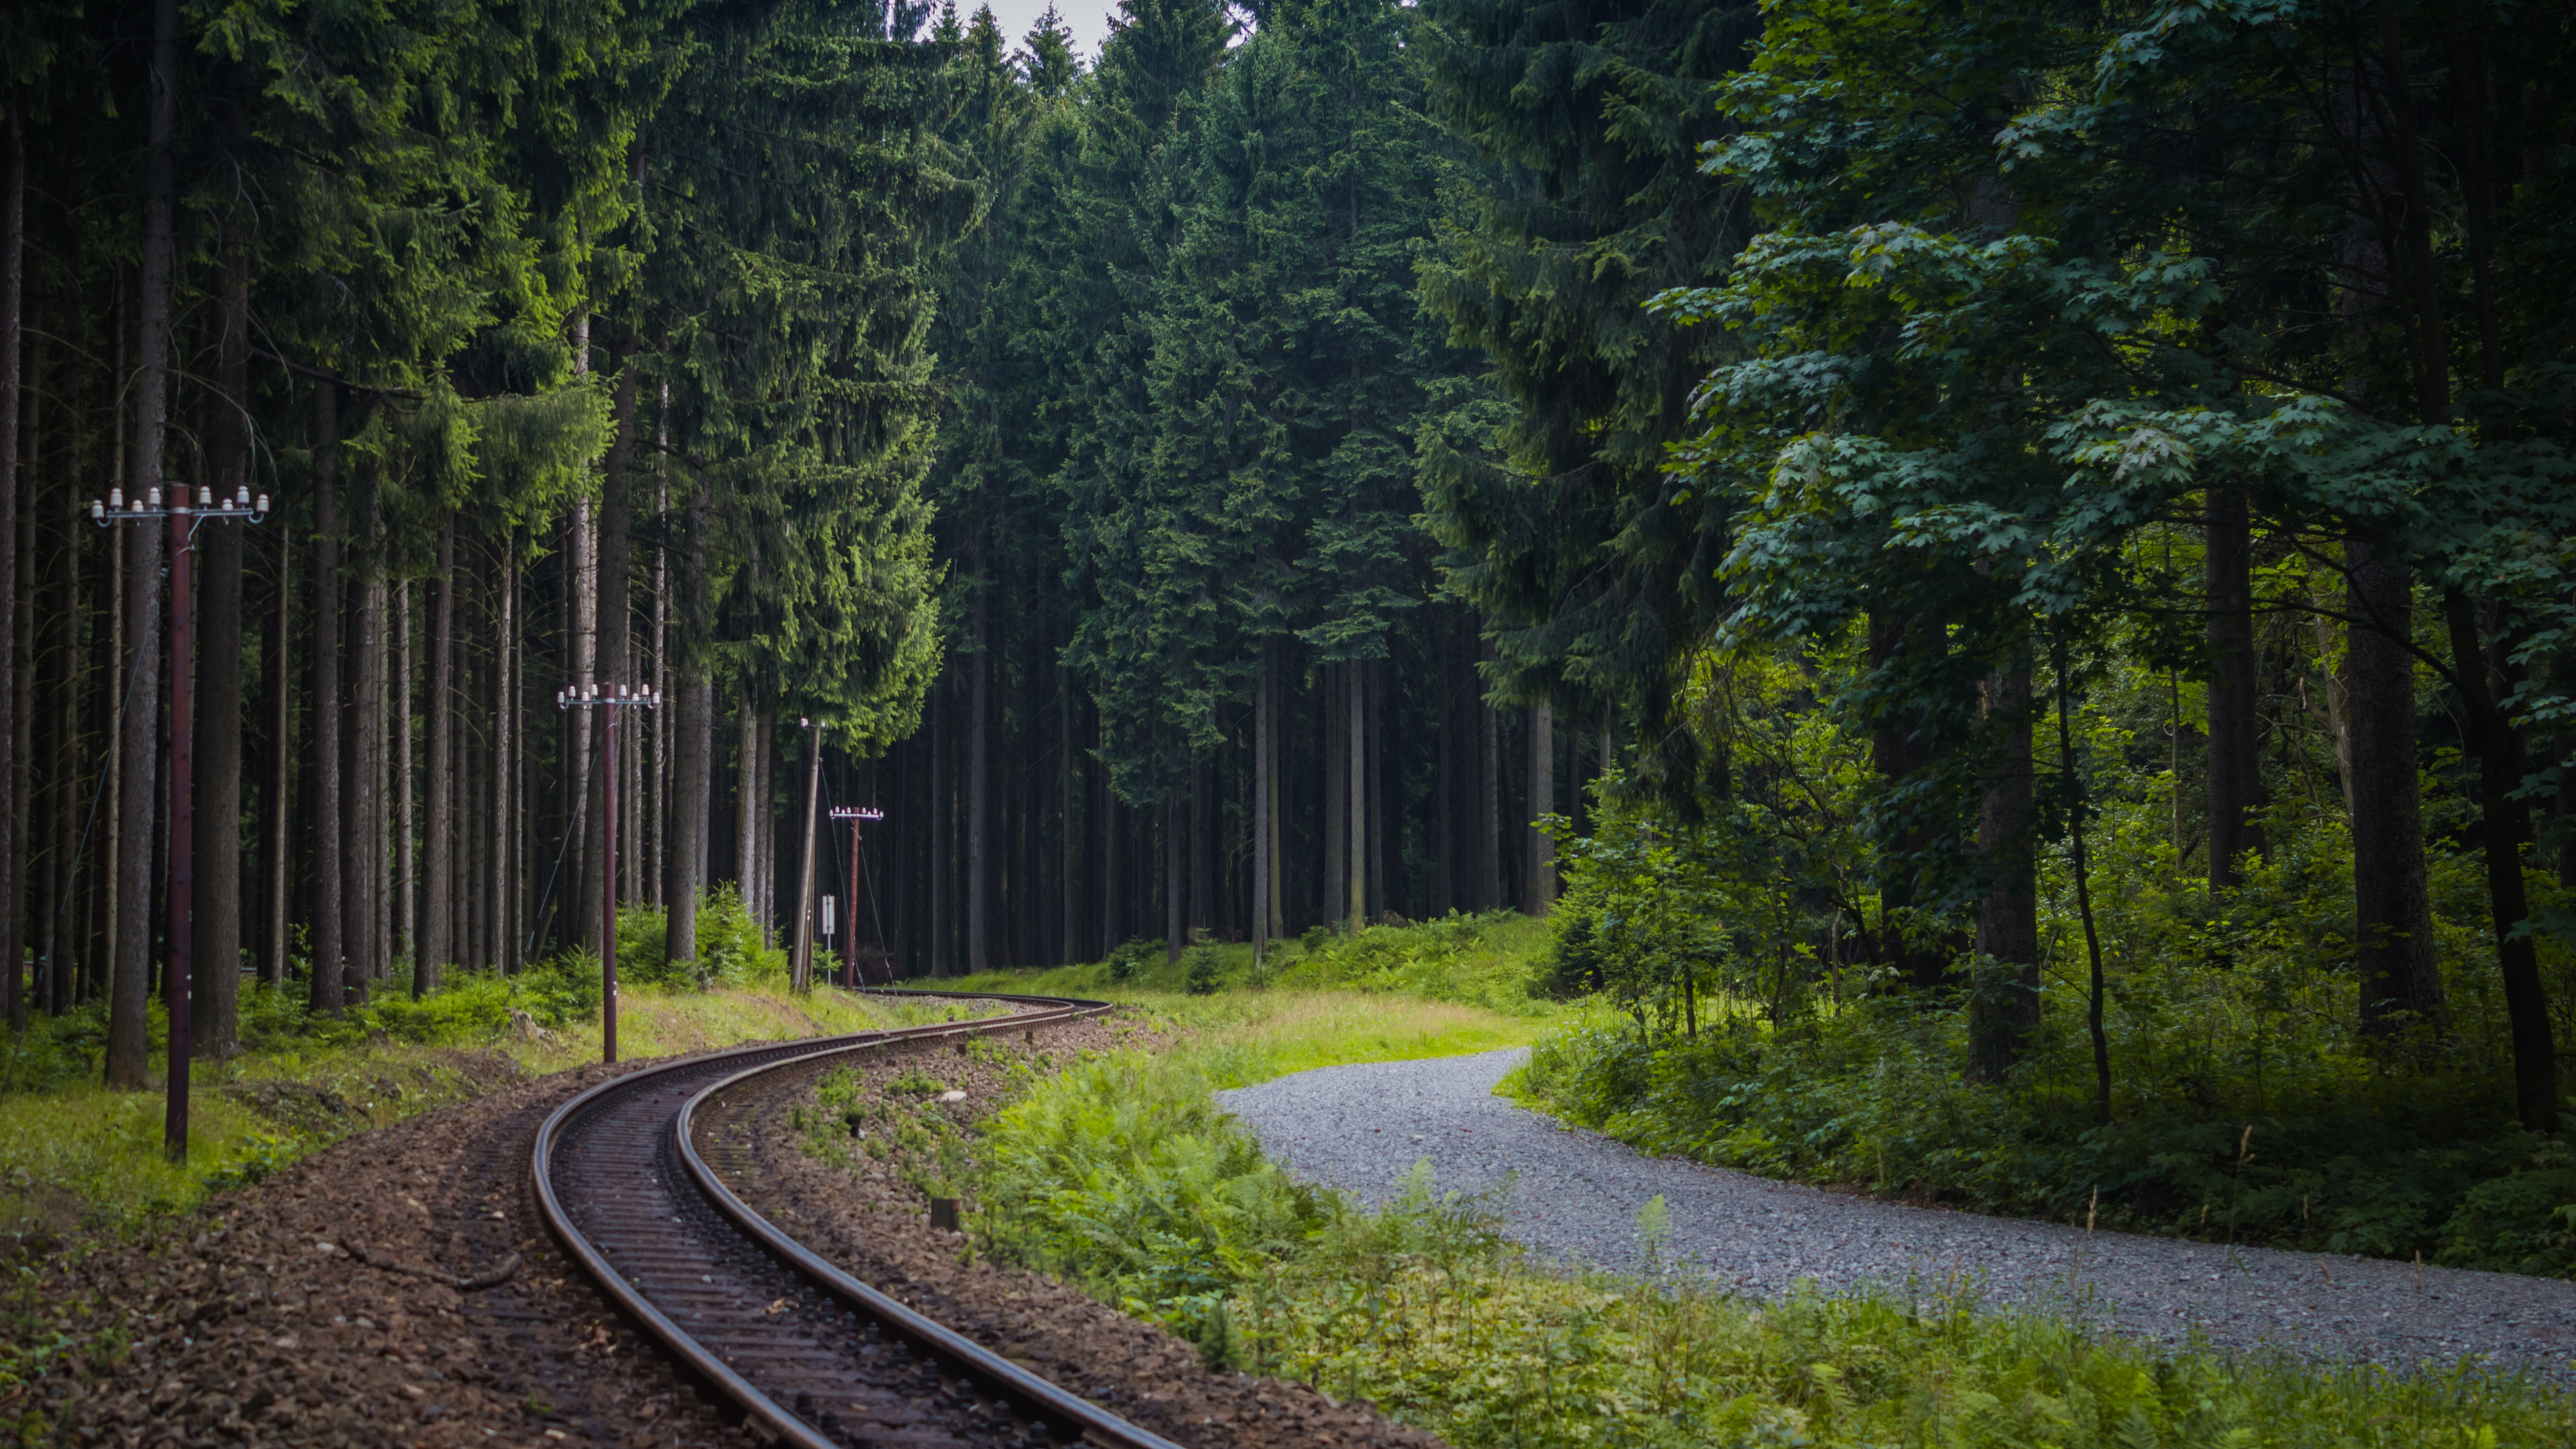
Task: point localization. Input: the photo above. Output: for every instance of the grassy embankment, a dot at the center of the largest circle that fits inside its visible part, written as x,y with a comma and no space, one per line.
1122,1175
78,1160
1442,988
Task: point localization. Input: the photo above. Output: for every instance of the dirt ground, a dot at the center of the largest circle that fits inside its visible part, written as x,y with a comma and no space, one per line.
399,1289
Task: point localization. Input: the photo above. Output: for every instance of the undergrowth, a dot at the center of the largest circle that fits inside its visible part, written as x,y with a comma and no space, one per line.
80,1161
2346,1159
1122,1175
1488,961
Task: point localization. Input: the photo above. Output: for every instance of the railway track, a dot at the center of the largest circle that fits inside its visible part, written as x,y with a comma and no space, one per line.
817,1358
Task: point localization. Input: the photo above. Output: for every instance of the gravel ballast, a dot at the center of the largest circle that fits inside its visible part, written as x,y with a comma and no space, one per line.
1573,1197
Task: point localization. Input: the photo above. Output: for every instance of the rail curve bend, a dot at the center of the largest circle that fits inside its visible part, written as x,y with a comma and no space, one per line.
817,1358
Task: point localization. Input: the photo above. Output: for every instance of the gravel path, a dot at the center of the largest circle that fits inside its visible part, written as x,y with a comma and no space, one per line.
1573,1196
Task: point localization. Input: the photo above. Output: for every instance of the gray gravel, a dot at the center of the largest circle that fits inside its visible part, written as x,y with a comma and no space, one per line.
1573,1197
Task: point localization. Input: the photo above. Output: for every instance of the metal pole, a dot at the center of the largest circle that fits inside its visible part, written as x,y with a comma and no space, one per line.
608,886
183,868
849,928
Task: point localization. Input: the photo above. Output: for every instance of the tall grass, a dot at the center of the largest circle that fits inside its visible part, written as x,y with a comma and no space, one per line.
79,1159
1121,1175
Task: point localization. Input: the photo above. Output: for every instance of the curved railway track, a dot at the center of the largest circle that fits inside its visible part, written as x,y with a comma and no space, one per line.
817,1358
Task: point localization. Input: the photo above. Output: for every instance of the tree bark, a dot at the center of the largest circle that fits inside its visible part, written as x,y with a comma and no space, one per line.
13,251
1542,784
430,940
1337,793
281,755
942,767
1262,728
403,939
804,973
215,1015
139,742
507,931
67,944
2507,829
1897,751
361,800
746,835
1201,922
322,796
2005,1007
581,638
1173,927
692,769
2235,775
979,784
2400,986
1358,812
610,568
1068,778
1489,801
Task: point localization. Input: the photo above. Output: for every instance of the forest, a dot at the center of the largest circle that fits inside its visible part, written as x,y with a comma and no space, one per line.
2054,521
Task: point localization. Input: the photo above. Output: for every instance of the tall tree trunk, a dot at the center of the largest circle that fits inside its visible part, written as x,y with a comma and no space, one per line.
1335,686
581,639
13,252
767,801
1112,917
139,745
1542,784
430,938
746,838
1358,810
1383,827
2393,917
1173,923
692,772
322,796
507,931
2005,1007
215,1016
611,564
941,767
805,870
21,820
2507,829
64,953
282,754
1262,729
979,784
1200,924
1898,750
1448,781
404,938
1068,777
1489,800
361,803
2235,775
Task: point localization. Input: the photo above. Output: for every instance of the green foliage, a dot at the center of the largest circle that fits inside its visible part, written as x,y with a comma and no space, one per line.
2346,1159
1203,979
1124,1175
729,949
1485,960
1121,1175
1132,956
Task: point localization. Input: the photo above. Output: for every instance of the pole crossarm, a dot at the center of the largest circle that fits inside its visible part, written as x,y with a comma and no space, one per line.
185,515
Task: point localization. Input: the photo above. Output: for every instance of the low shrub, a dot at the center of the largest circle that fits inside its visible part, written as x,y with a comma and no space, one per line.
1122,1175
1874,1096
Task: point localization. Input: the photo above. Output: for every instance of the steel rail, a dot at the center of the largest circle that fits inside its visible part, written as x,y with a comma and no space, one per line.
1066,1415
